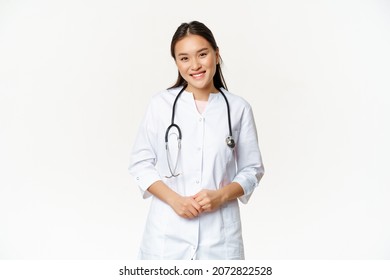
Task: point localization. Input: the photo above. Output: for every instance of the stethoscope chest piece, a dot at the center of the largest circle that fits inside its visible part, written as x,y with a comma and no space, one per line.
230,142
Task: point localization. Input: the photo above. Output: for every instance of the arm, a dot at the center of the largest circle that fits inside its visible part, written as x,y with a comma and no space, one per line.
186,207
143,168
211,200
249,169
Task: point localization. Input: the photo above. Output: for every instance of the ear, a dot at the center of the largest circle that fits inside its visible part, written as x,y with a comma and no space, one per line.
217,57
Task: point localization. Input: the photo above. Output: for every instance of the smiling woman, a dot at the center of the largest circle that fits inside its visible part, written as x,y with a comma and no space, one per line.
197,61
195,212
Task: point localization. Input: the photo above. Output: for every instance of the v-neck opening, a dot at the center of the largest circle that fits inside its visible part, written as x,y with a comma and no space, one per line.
212,96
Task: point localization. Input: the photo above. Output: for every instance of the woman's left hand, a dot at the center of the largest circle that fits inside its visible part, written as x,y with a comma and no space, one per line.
209,200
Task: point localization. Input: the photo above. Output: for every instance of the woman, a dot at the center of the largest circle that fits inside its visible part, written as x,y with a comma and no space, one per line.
196,181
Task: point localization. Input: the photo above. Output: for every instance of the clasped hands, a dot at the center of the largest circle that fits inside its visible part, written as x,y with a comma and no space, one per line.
192,206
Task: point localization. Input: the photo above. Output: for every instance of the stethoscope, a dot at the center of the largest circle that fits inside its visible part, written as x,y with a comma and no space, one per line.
229,140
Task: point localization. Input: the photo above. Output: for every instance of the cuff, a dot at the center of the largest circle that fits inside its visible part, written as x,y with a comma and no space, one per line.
248,185
144,181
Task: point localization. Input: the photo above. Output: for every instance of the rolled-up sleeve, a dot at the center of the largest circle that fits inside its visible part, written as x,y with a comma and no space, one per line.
143,156
250,167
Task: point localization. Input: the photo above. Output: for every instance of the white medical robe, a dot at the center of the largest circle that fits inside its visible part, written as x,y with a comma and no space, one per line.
205,162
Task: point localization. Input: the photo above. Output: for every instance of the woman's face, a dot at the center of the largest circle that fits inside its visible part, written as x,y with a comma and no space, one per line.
197,63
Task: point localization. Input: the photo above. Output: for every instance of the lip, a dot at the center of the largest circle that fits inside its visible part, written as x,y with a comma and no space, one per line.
198,75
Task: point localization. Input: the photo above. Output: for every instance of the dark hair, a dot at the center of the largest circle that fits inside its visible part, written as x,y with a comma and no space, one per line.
197,28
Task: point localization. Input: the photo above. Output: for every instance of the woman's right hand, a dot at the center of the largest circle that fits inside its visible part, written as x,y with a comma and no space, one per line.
186,207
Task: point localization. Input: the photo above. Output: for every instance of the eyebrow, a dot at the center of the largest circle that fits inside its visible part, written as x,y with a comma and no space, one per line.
201,50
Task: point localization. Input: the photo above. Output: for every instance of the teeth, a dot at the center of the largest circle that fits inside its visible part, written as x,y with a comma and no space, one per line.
197,75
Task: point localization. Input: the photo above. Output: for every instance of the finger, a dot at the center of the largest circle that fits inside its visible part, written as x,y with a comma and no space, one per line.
203,204
200,194
206,207
193,212
198,197
205,200
198,207
196,204
187,215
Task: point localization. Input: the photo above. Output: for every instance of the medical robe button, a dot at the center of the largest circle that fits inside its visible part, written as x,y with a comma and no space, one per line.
197,181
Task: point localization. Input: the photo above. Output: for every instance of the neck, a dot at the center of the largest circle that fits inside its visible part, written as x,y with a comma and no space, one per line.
201,94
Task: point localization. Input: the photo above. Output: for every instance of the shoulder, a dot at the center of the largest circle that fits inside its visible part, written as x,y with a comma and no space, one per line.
236,100
166,95
163,99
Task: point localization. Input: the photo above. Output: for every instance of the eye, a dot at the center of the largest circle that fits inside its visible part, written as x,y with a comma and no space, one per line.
203,54
183,58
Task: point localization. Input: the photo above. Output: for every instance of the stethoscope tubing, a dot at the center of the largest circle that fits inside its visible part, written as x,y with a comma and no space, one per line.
228,112
229,140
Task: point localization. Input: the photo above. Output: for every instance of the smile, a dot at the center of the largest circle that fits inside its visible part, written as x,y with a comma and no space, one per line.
198,75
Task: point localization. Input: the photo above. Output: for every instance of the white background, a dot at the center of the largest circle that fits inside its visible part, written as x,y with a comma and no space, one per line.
76,76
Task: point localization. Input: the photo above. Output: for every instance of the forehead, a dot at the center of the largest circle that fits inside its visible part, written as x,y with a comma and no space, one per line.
191,44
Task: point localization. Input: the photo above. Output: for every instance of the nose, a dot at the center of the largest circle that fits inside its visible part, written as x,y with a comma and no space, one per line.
195,64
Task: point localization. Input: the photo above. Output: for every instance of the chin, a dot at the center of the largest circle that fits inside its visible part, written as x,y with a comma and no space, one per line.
200,85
